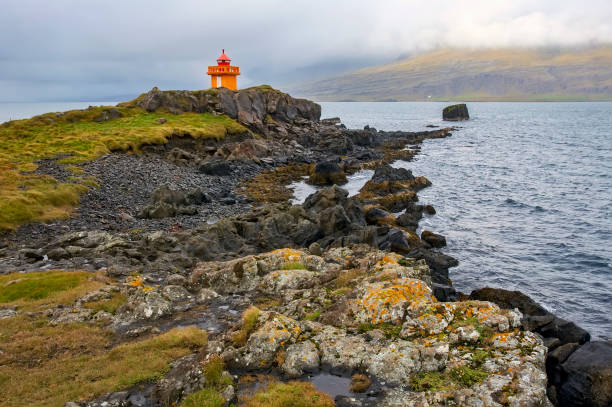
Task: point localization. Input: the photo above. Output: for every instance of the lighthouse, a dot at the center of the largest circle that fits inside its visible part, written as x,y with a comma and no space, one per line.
223,74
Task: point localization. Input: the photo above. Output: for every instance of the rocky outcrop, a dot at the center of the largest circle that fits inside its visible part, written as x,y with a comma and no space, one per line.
327,173
252,107
433,239
536,318
577,383
383,322
587,377
455,113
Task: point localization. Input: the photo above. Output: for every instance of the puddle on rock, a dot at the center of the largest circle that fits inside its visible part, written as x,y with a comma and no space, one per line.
331,384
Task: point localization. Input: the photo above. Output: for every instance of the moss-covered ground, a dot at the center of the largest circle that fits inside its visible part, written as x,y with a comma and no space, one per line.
74,137
46,365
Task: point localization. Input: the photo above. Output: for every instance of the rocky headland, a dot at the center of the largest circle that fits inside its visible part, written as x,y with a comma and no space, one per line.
184,276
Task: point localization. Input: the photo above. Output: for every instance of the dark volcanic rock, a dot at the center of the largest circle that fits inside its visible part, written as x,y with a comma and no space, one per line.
455,113
434,239
376,215
216,167
411,217
388,173
327,173
588,377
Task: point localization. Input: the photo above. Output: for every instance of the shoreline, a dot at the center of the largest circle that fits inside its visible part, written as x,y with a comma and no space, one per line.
156,236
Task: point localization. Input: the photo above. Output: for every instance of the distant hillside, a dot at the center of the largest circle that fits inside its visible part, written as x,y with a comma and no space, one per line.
464,74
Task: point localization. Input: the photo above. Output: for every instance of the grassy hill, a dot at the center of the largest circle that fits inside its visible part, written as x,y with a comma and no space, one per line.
472,75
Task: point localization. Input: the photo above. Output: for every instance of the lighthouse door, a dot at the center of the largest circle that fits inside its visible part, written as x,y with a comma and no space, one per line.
218,81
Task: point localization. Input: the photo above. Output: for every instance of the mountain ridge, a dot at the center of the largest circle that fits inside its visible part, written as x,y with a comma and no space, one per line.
454,74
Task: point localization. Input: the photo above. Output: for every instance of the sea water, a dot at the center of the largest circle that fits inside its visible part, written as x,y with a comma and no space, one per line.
523,193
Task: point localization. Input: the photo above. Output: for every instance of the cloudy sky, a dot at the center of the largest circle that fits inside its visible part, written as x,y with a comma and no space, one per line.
111,50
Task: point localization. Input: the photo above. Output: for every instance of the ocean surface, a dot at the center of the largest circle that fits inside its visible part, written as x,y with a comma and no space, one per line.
14,111
523,193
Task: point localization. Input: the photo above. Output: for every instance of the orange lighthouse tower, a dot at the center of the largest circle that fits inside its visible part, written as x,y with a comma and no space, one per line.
223,74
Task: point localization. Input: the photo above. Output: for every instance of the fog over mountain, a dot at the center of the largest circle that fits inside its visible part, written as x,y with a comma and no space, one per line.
507,74
68,49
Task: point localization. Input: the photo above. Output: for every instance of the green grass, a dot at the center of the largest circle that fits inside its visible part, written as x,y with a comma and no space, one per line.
39,288
213,373
249,320
35,291
215,382
431,381
76,138
448,380
111,305
292,394
313,316
207,397
390,330
468,376
47,366
294,266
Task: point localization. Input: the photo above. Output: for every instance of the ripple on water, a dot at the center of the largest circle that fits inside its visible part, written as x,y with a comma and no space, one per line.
523,193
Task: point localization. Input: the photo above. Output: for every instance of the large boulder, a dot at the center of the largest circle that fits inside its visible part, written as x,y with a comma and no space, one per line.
455,113
216,167
434,239
168,202
327,173
589,377
387,173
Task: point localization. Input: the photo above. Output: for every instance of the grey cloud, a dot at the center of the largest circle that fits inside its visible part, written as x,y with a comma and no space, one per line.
68,49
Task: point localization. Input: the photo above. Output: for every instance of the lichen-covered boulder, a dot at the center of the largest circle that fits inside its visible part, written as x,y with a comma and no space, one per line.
302,357
387,301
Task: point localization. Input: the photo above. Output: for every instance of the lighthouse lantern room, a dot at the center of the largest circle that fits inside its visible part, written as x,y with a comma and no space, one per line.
223,74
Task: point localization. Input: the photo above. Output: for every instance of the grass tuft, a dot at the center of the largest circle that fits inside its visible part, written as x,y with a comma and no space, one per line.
359,383
294,266
207,397
292,394
468,376
313,316
249,320
111,305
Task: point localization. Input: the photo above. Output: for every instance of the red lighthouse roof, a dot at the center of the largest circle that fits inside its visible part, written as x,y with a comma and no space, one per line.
223,57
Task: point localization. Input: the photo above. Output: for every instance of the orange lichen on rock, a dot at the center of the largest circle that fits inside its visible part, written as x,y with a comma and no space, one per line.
289,254
387,301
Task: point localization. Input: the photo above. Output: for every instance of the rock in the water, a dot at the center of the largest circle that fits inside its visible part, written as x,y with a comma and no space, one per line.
327,173
589,376
434,239
455,112
388,173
